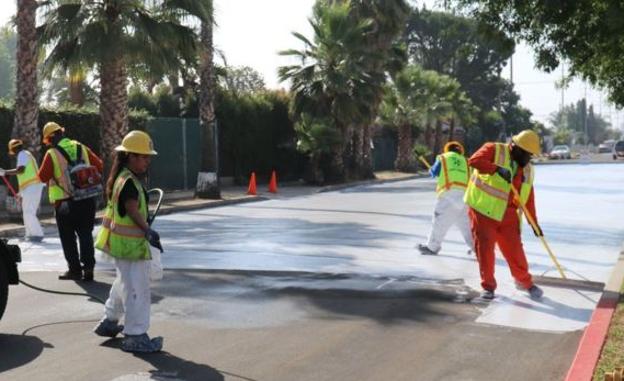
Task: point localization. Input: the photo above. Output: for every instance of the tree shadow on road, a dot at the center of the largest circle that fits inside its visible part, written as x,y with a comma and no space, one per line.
169,366
18,350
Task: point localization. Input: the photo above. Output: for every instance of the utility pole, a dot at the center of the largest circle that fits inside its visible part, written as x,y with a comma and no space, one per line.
511,69
562,85
585,120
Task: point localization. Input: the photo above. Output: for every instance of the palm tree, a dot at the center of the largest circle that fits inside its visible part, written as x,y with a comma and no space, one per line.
207,178
385,56
26,102
408,102
114,36
331,80
421,97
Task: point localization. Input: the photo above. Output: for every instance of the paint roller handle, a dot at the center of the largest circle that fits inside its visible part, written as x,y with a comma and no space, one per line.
526,212
8,184
422,160
536,228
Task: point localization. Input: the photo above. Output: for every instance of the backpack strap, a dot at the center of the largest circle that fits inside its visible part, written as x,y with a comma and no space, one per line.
79,153
65,155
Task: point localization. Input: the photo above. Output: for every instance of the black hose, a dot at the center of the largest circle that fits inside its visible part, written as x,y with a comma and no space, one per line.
62,292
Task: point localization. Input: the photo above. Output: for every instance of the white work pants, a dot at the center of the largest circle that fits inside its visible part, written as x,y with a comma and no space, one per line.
130,293
31,197
450,209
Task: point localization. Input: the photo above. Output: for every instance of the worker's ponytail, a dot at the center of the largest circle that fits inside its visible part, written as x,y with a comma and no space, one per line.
120,161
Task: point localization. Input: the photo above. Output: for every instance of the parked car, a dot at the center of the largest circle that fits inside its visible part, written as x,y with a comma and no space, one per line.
606,146
560,152
618,149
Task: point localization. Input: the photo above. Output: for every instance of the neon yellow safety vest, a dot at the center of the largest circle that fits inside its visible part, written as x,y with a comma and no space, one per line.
453,172
59,187
119,236
489,194
29,176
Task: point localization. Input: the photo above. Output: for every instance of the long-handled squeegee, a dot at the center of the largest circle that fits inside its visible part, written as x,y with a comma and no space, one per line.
552,281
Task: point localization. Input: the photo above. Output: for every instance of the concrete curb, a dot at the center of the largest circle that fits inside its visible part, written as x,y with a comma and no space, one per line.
590,346
337,187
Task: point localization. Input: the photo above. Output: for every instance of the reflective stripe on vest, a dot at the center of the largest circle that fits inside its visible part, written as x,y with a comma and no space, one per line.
489,194
454,173
119,236
29,176
60,185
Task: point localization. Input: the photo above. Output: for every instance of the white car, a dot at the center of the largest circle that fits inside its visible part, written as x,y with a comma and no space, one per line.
560,152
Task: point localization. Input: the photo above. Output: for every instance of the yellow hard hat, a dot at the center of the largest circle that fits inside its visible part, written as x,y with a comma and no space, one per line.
49,129
448,146
137,142
13,144
528,141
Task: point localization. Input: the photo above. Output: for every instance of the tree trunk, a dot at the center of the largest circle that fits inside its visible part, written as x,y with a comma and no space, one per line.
26,102
113,107
437,138
452,129
336,168
367,153
76,81
427,136
76,93
404,161
207,178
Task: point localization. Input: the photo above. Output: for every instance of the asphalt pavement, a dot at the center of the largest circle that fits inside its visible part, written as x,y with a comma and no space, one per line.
329,287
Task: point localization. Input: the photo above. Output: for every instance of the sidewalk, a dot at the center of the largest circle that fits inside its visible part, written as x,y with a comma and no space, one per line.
179,201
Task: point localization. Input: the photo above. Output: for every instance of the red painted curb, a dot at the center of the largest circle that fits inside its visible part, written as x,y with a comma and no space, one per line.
588,352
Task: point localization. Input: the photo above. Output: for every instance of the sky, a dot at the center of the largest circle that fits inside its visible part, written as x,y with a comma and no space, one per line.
252,32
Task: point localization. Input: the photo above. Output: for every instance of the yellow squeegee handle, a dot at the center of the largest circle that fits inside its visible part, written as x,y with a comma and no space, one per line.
534,225
422,159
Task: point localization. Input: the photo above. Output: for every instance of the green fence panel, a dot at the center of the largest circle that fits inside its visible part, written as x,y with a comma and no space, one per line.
178,144
384,151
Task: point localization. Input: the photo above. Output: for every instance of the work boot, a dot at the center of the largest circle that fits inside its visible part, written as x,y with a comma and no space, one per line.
487,294
108,328
87,275
535,292
141,343
425,250
71,275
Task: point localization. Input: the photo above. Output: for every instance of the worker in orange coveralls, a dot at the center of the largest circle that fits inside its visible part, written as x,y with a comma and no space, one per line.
494,212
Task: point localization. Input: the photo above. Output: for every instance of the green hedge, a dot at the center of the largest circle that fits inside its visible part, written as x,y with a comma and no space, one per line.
257,134
255,130
81,124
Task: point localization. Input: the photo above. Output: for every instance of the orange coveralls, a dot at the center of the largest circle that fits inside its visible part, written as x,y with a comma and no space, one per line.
487,232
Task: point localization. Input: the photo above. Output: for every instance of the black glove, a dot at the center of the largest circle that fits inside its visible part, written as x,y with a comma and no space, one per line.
504,173
154,239
537,230
63,208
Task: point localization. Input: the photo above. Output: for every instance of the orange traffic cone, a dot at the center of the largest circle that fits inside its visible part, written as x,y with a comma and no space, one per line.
252,184
273,183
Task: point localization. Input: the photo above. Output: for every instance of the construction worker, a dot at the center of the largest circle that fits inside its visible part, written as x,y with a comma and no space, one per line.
493,209
30,188
451,169
73,218
126,236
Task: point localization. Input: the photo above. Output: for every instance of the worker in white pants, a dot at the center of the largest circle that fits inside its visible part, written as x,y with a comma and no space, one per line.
30,188
126,235
130,296
451,169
